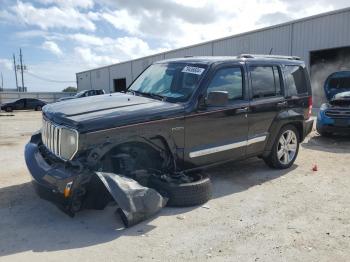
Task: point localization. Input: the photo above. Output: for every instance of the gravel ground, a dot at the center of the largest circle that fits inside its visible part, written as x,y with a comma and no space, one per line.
256,214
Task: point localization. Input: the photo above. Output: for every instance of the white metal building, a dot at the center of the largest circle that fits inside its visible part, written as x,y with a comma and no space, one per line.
322,41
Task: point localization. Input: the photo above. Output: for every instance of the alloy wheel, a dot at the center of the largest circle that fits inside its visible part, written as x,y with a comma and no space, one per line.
287,147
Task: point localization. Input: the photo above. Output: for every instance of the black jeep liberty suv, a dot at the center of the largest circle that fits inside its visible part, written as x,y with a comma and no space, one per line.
177,117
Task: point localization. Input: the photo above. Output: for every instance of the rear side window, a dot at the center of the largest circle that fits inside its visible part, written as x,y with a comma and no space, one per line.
295,80
229,80
266,81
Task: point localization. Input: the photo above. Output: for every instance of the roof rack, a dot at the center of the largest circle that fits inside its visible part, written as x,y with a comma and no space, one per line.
269,56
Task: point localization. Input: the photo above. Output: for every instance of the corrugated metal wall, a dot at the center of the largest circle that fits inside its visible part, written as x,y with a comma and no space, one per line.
100,79
295,38
319,33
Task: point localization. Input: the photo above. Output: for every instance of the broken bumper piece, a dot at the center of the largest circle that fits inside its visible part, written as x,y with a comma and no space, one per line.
136,203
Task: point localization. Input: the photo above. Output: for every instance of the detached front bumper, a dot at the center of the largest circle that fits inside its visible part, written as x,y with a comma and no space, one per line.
50,178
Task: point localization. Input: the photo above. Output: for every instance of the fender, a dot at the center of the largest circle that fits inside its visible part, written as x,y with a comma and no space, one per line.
168,139
288,117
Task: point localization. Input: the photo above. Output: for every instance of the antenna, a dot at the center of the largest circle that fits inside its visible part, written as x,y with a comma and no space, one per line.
271,51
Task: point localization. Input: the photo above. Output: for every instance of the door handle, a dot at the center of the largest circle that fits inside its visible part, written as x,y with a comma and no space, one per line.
242,110
282,104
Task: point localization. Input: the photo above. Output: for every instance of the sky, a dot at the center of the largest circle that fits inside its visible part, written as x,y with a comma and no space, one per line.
62,37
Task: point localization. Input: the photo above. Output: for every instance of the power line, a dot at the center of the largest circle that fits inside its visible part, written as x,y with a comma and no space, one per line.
49,80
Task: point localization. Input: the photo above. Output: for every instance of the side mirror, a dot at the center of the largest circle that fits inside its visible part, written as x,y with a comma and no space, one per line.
217,98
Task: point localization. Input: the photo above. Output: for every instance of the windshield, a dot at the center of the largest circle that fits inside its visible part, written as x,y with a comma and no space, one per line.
81,93
173,82
340,83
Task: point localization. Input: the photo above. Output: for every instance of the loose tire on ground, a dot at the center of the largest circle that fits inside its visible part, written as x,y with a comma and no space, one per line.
185,194
272,159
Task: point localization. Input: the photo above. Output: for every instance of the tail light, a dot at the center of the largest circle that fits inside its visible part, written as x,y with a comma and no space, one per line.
310,108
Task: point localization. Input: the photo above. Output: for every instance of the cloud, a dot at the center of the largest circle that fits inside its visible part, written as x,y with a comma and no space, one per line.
96,51
313,6
176,24
6,63
69,3
52,17
92,59
52,47
201,14
7,17
274,18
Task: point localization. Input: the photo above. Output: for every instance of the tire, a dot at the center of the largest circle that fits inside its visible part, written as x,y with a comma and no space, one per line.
184,194
8,109
286,159
38,108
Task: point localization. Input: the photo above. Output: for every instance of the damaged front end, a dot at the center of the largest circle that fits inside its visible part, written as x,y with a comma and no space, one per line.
72,186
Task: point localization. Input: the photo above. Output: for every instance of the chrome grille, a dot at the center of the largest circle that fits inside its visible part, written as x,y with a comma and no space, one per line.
338,113
51,137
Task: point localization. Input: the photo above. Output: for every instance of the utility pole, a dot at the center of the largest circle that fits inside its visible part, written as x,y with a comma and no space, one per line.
2,82
14,66
20,57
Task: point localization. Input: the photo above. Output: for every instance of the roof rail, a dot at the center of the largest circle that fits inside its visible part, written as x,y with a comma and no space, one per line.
269,56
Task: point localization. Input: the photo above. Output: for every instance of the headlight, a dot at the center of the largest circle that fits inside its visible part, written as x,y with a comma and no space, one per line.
324,107
69,143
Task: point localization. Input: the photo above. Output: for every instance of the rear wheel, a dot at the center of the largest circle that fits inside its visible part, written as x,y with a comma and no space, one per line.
38,108
285,149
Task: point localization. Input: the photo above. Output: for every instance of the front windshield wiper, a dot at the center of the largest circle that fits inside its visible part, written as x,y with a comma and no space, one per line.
152,95
157,96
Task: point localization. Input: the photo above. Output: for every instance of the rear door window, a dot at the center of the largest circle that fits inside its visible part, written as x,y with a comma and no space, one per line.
266,81
295,80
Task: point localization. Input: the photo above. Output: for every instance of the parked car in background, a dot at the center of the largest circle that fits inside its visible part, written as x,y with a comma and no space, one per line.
85,93
334,116
24,104
178,116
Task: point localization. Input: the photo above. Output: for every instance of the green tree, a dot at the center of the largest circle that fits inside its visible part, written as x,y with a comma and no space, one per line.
70,89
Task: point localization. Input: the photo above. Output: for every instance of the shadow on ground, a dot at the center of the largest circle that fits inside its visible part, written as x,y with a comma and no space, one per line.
31,224
333,144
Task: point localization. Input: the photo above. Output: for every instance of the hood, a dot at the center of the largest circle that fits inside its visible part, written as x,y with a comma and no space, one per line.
336,83
108,111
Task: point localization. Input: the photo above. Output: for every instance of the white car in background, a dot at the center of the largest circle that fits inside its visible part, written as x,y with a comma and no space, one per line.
85,93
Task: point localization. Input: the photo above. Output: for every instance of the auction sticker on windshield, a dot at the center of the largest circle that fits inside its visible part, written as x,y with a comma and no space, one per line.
193,70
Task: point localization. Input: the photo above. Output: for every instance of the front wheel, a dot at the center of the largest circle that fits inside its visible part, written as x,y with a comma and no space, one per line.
285,148
8,109
196,191
38,108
